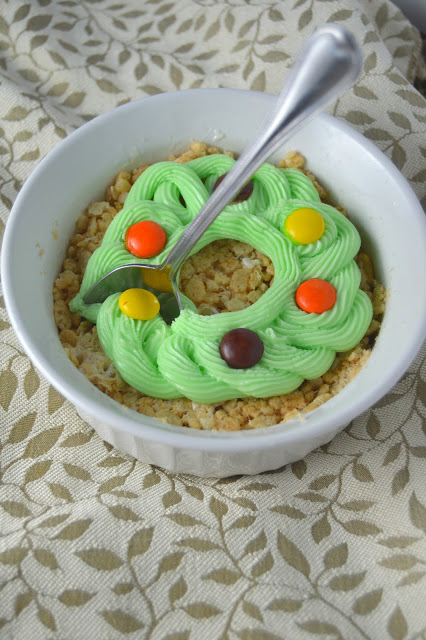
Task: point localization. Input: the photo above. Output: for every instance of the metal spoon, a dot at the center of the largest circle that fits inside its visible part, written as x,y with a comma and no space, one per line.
329,63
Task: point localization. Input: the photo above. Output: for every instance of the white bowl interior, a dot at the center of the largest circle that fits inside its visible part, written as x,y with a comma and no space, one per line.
378,199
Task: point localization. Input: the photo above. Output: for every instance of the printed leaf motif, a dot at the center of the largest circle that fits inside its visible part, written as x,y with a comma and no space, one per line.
263,566
357,505
320,627
53,521
400,562
252,610
400,120
123,513
22,428
275,15
310,496
412,97
259,82
112,483
367,603
112,462
31,380
361,527
123,588
343,14
218,508
289,511
22,601
400,480
100,559
37,23
46,617
55,400
13,556
336,557
201,610
322,482
292,555
71,531
364,92
121,621
42,442
171,498
373,424
346,582
170,563
183,519
107,86
321,529
399,155
199,545
76,472
285,604
411,578
16,509
140,542
392,453
8,386
16,113
151,479
398,542
46,558
229,21
75,597
59,491
397,625
223,576
370,62
258,544
417,513
243,522
257,634
76,439
305,19
361,472
177,591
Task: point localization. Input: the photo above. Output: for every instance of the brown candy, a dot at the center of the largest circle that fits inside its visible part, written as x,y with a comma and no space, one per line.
243,194
241,348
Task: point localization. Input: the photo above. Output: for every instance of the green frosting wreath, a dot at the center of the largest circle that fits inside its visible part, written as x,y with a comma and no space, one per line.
183,359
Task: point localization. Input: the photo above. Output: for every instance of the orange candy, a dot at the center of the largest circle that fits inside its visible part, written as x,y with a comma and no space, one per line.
145,239
315,296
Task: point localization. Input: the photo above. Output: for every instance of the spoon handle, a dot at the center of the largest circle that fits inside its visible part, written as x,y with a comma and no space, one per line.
329,63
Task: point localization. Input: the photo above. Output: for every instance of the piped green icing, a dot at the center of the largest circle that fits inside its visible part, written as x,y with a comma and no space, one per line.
184,359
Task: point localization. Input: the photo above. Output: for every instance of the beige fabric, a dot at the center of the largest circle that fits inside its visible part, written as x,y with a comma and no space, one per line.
96,545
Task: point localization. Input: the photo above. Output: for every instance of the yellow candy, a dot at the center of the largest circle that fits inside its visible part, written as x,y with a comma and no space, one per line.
304,226
139,304
158,280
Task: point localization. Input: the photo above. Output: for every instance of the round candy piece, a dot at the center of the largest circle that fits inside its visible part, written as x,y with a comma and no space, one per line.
304,226
315,296
145,239
243,194
241,348
139,304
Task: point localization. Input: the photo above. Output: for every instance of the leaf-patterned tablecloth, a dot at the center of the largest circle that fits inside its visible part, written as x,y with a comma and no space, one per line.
93,543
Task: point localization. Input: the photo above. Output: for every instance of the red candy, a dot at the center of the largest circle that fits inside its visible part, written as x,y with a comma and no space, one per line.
241,348
243,194
315,296
145,239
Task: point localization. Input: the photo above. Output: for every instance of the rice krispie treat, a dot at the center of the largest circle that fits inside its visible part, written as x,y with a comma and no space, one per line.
225,276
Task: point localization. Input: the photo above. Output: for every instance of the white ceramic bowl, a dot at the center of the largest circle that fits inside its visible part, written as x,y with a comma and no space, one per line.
76,172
